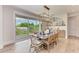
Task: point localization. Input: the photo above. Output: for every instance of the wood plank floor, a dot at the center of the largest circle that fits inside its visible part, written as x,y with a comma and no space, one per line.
70,45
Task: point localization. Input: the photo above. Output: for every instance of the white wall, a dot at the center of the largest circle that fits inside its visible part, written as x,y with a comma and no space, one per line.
73,25
1,29
8,25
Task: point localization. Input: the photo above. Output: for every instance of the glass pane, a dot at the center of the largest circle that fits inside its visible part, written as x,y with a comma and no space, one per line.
25,26
33,25
21,26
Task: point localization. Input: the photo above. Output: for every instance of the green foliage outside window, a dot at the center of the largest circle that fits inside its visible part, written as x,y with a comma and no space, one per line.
31,28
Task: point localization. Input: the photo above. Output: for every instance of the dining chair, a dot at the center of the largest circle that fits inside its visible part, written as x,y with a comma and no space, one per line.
55,38
52,40
35,44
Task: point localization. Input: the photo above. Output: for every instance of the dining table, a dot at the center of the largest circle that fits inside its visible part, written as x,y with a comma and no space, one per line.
41,39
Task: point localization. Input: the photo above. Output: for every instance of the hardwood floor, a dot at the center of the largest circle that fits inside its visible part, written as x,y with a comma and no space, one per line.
70,45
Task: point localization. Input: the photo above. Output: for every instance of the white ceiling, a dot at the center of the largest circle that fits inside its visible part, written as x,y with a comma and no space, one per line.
53,8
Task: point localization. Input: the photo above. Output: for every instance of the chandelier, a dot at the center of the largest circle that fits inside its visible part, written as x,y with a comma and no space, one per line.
46,15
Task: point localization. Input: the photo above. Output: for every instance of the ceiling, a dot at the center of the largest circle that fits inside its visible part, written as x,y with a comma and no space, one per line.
38,9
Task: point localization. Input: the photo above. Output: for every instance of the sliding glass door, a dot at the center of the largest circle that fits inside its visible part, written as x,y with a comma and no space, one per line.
25,26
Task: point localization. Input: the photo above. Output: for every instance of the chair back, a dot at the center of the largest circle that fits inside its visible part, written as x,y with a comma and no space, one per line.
53,38
50,39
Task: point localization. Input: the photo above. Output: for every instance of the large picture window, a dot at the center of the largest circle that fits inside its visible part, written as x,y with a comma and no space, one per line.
25,26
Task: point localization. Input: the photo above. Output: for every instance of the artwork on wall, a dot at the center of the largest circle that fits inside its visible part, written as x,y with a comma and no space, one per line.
57,21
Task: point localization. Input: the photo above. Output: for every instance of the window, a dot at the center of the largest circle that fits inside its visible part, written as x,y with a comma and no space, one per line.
25,26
